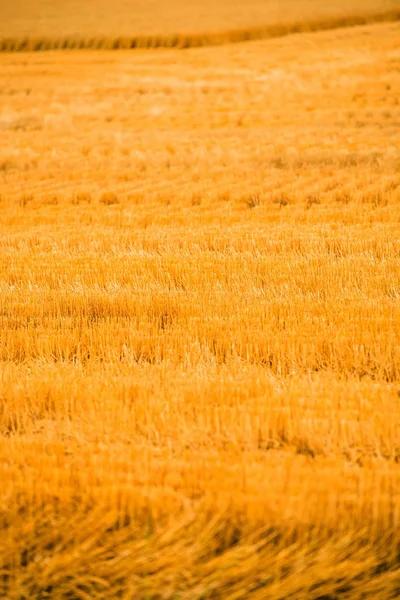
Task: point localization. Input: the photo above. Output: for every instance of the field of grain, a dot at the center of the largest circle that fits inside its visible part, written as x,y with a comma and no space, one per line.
49,24
200,321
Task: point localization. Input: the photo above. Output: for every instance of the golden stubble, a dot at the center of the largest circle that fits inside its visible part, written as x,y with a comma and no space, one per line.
199,321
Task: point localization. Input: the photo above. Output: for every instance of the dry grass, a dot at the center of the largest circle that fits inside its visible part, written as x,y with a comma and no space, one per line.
32,25
200,321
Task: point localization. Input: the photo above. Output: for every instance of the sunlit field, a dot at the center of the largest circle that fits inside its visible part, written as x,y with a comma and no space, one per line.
60,24
200,321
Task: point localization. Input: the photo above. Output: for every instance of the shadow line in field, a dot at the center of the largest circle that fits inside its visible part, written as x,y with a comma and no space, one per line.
181,41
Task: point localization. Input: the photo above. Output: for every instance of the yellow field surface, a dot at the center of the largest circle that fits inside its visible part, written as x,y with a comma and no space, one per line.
50,24
200,321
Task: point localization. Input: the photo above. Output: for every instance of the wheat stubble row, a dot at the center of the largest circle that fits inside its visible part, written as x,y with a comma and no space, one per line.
41,24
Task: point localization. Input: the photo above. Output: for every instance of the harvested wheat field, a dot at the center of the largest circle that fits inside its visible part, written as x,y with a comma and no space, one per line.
61,24
200,321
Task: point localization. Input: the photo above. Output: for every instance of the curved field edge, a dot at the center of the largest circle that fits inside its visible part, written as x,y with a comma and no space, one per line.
36,44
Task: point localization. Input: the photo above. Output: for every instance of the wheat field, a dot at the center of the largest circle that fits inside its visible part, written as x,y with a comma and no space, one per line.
200,321
123,24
